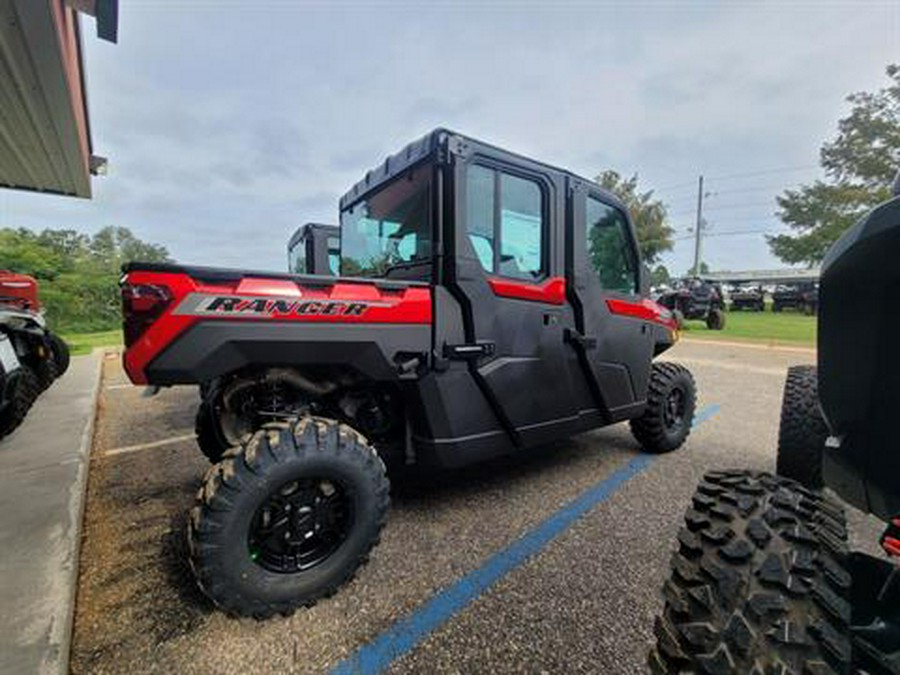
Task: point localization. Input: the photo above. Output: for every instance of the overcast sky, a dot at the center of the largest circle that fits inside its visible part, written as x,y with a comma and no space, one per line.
228,123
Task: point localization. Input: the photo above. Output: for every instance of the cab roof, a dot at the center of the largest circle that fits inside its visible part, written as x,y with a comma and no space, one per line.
428,144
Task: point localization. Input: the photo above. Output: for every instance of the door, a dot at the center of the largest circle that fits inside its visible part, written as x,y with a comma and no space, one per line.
614,344
509,274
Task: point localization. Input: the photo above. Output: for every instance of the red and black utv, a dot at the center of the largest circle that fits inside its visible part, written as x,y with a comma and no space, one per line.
487,303
31,357
763,581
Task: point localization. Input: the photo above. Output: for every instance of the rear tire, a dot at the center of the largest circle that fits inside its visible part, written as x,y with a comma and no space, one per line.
237,552
60,353
25,392
715,320
758,583
803,432
671,400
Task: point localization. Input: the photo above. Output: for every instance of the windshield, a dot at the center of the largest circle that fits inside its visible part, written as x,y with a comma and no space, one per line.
391,228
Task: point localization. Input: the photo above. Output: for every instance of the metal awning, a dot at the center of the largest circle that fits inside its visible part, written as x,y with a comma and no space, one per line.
45,139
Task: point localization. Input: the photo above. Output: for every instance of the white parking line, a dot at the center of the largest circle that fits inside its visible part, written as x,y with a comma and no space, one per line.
146,446
127,385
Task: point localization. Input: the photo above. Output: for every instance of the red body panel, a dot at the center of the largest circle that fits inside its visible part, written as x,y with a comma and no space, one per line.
261,299
552,290
644,309
19,289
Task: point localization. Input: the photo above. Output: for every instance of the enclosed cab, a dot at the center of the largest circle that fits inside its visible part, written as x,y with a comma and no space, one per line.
315,249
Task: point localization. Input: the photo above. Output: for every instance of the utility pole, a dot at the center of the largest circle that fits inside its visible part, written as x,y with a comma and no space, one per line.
699,229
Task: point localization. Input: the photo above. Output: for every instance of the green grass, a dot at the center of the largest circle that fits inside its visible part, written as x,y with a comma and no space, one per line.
83,343
767,327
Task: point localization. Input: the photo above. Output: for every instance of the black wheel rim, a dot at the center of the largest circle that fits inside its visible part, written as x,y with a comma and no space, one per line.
674,409
300,525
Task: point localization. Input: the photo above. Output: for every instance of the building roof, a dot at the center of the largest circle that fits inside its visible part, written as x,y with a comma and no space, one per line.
45,136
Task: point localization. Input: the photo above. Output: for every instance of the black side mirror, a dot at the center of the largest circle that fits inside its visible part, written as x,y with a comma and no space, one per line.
644,281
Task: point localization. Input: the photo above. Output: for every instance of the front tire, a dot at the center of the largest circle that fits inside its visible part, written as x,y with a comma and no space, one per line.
758,583
288,517
25,392
802,432
671,400
715,320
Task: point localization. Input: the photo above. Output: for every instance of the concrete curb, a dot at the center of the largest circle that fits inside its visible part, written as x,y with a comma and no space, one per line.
43,482
765,346
76,510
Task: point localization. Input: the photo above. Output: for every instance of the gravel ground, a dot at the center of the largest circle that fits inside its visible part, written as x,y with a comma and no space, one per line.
583,604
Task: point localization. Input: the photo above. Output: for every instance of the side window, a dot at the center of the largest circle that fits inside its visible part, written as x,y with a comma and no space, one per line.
518,223
480,213
334,256
609,248
297,258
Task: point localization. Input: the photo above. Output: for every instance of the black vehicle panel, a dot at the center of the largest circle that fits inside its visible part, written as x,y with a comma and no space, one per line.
214,348
528,378
619,349
859,371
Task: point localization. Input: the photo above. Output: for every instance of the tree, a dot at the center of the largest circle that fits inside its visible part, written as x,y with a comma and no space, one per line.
79,275
859,164
704,269
648,214
660,275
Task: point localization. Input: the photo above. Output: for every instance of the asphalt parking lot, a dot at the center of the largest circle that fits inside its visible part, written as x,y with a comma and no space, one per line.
549,562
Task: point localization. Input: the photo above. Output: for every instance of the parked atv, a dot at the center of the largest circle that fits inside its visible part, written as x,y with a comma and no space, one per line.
460,291
749,298
803,297
695,299
763,580
30,355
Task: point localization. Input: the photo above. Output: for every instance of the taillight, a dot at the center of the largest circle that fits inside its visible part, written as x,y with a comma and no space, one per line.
142,304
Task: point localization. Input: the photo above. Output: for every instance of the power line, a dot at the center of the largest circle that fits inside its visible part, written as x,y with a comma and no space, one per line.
722,207
765,172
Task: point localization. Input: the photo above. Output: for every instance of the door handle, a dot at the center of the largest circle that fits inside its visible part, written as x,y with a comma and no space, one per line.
583,341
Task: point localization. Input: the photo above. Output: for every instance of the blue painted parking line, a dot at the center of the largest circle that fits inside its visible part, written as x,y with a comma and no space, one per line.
406,633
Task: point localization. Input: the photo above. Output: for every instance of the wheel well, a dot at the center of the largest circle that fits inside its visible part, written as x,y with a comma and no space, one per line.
374,408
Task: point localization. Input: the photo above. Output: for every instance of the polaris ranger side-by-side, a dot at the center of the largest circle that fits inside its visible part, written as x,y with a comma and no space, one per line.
763,580
487,303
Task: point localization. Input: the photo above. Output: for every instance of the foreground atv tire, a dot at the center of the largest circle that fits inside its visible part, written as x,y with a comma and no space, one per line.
288,517
671,400
803,432
24,394
758,584
715,320
60,354
210,439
